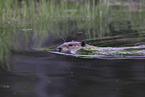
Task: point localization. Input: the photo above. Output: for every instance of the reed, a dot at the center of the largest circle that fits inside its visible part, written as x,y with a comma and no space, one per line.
61,18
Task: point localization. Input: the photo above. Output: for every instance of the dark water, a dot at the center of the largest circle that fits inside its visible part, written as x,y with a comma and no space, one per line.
41,74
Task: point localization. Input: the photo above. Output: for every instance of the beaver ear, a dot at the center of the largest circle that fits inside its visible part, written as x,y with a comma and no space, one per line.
83,43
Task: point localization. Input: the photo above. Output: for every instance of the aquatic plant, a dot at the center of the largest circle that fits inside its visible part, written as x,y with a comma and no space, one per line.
91,50
25,23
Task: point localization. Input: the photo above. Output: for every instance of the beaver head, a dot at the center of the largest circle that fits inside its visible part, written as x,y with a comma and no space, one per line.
68,46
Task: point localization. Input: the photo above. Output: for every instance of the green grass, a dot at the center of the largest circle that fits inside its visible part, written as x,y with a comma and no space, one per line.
59,17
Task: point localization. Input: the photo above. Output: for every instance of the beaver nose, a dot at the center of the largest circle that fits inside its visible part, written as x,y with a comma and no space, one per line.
59,49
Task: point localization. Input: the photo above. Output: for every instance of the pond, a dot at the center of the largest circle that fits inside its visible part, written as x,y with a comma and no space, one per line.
43,74
28,24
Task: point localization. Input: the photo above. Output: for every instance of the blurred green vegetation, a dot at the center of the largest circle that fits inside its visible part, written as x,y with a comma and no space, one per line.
26,20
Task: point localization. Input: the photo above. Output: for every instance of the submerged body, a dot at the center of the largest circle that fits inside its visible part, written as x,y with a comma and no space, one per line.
81,48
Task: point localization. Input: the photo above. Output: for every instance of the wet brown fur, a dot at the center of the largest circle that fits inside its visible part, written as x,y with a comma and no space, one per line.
68,46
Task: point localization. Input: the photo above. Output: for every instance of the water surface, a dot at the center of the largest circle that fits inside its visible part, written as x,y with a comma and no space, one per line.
42,74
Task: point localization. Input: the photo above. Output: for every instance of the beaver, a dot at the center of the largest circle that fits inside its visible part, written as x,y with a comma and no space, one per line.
81,48
68,46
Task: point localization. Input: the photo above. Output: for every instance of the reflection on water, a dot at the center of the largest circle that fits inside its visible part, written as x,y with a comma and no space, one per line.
41,74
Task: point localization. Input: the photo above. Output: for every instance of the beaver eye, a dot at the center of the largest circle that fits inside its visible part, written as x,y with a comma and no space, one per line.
59,49
70,45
